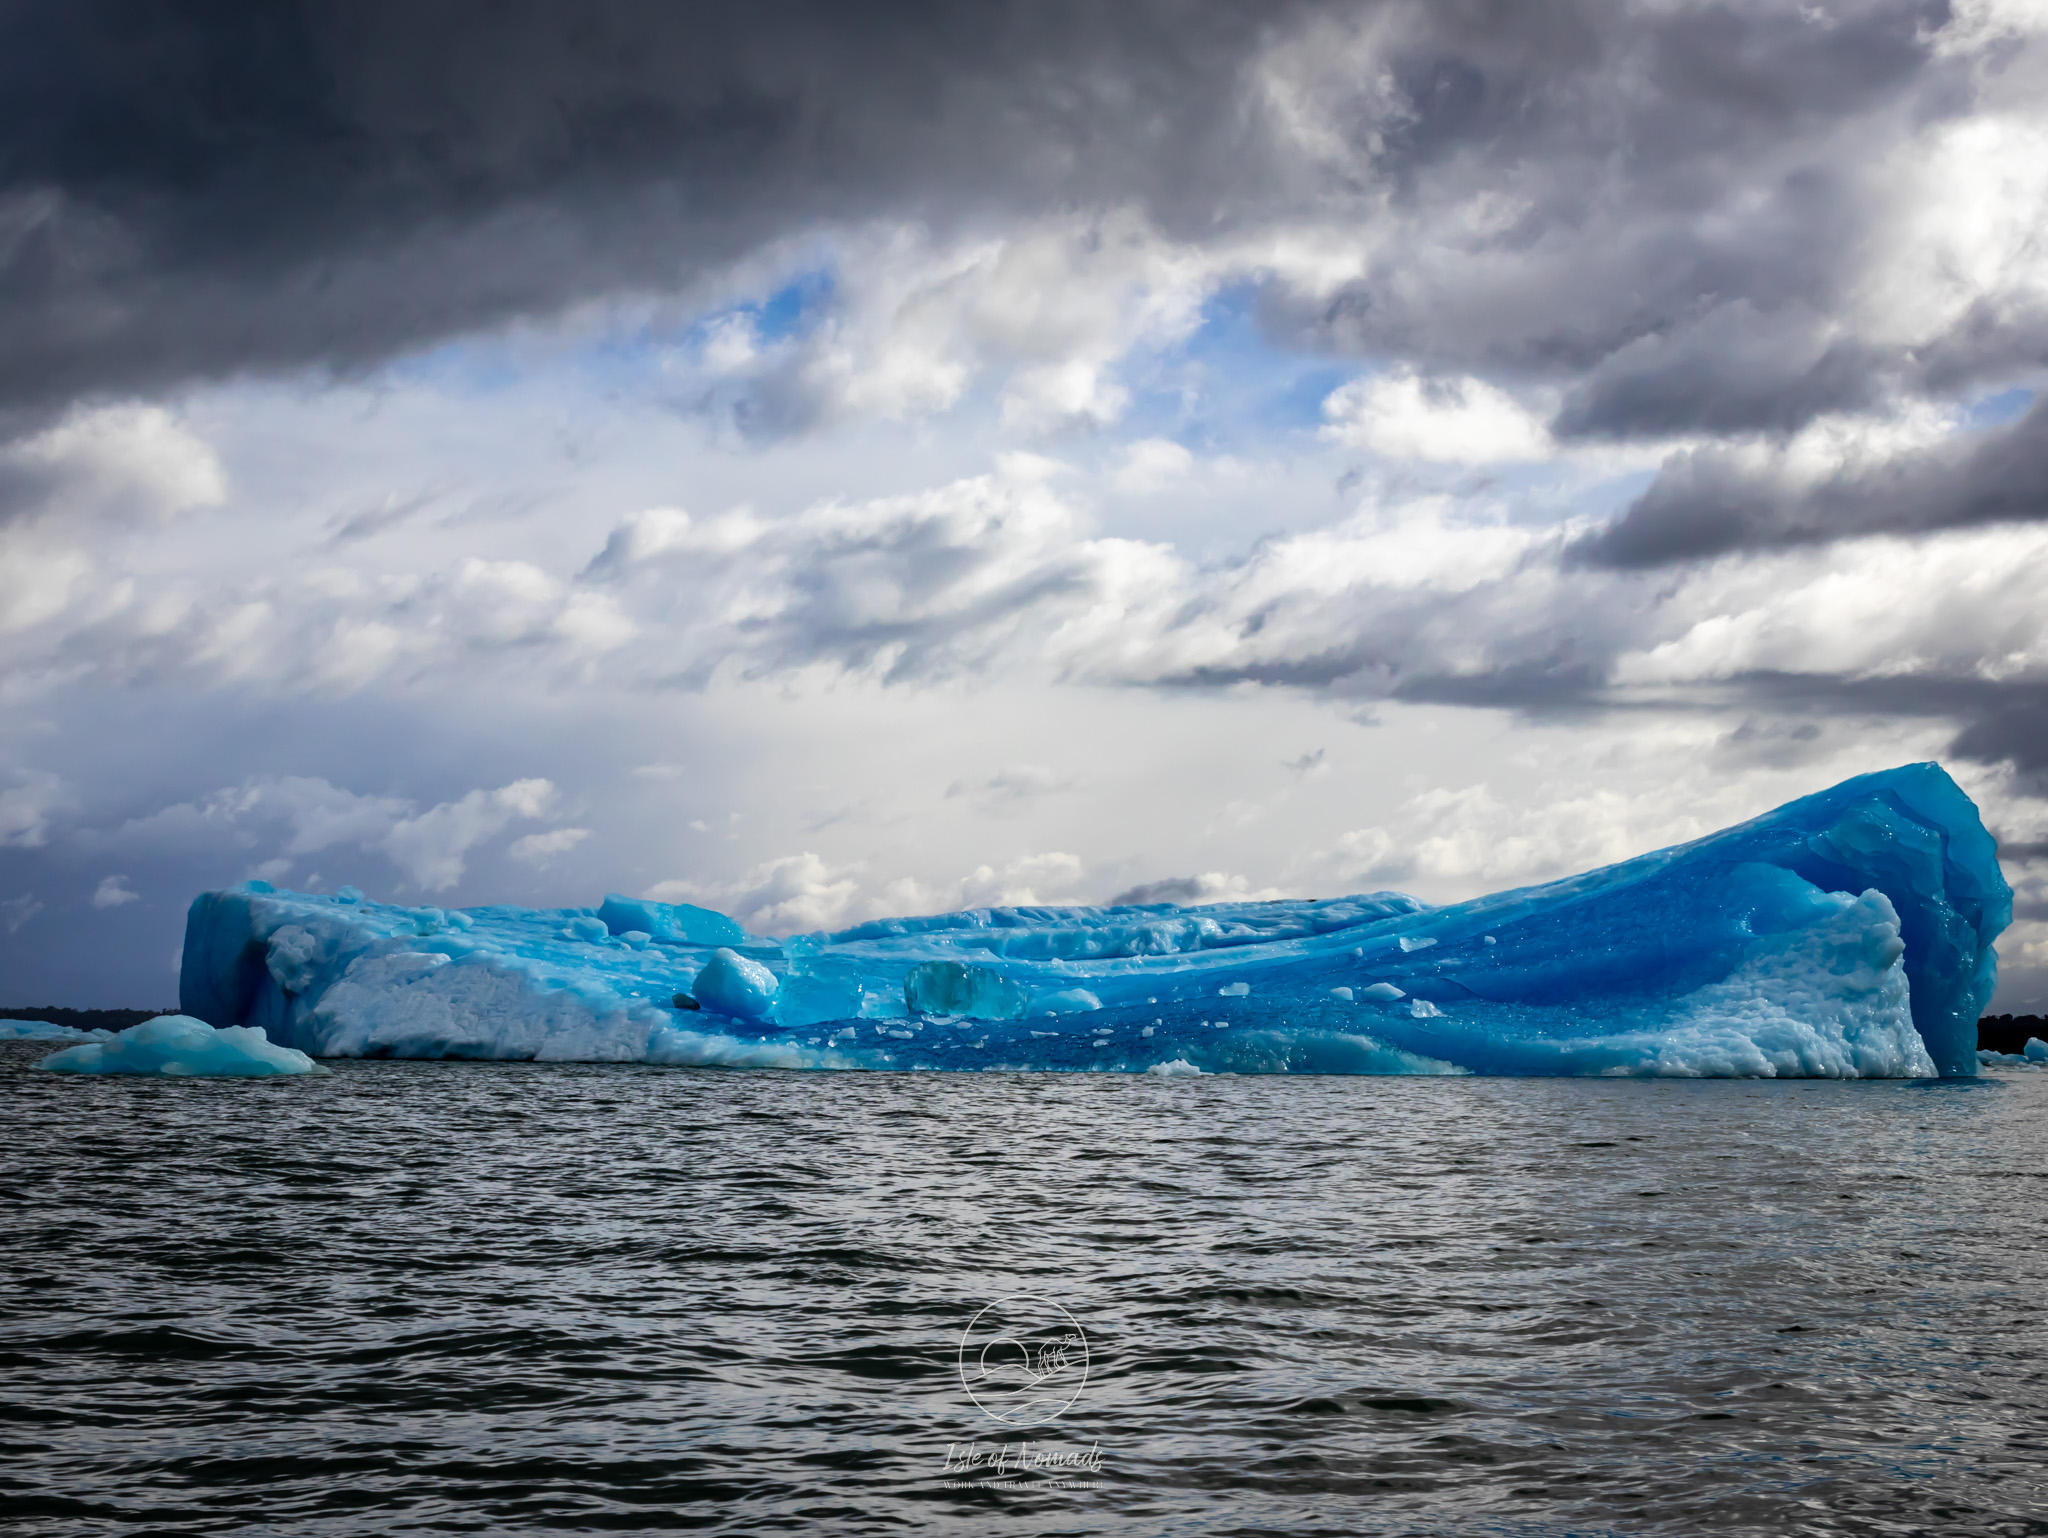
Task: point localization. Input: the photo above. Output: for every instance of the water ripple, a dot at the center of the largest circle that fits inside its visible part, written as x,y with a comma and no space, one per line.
432,1297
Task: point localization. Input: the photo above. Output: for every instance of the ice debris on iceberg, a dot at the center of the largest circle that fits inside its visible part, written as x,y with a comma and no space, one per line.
736,985
1848,934
180,1047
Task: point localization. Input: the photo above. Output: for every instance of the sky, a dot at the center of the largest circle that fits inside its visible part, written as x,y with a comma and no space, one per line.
825,461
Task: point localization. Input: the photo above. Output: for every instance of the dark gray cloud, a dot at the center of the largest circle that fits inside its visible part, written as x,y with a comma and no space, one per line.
1711,501
1182,890
192,190
195,189
2001,722
1691,216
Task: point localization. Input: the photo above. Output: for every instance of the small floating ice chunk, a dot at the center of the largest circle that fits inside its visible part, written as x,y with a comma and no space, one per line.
735,985
1234,990
44,1030
180,1047
955,988
1384,993
1343,993
1146,1032
586,928
1422,1009
1417,942
2036,1050
1065,1001
1175,1068
1489,939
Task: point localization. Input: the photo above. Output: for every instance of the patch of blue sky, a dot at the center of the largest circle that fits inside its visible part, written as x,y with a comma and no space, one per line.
794,308
1996,410
787,313
624,355
1228,387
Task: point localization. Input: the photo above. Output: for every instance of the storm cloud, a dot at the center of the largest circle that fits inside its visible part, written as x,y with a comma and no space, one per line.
1667,214
193,190
1709,502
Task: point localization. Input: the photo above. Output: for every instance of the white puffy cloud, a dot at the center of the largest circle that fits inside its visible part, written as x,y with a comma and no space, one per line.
430,847
1152,465
114,891
302,815
542,848
793,894
1402,415
29,807
111,465
900,586
803,892
98,477
1042,312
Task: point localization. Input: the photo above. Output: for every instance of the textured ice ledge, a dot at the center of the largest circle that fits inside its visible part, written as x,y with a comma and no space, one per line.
1848,934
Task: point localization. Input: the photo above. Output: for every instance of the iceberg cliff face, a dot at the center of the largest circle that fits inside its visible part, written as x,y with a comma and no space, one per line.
1845,935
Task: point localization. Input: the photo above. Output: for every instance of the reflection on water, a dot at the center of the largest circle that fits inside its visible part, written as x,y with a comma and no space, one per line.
530,1297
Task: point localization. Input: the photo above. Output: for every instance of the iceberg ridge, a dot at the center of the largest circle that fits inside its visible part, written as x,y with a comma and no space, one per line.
1848,934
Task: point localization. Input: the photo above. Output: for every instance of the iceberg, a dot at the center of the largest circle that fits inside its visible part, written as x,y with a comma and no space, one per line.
1848,934
2033,1056
180,1047
44,1030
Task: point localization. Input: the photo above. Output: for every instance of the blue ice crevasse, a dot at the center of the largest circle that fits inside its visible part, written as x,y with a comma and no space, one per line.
956,988
1847,934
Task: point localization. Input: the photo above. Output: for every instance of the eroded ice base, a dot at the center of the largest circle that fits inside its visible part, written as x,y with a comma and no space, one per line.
1848,934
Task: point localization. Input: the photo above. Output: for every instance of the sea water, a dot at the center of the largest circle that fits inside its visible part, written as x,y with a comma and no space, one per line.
407,1297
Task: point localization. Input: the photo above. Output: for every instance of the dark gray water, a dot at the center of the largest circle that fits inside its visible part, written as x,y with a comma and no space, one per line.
460,1297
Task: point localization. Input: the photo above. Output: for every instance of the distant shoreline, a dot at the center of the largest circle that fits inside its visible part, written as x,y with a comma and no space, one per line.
86,1019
